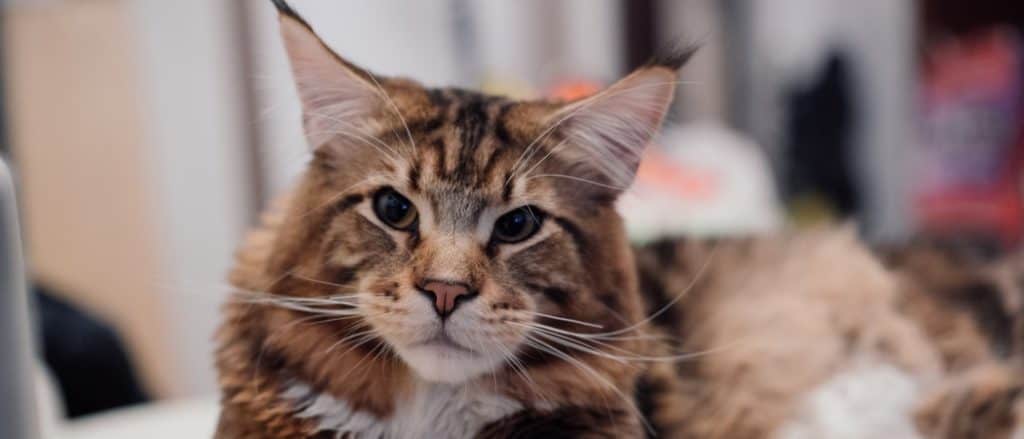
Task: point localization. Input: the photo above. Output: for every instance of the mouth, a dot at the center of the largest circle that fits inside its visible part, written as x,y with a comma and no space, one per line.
443,343
439,358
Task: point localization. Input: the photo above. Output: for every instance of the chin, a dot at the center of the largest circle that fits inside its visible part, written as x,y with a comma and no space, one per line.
446,364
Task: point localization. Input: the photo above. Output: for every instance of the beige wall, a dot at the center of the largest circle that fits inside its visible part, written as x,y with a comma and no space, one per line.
76,132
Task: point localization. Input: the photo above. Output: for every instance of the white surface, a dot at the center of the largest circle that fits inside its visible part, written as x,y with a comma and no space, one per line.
196,418
745,198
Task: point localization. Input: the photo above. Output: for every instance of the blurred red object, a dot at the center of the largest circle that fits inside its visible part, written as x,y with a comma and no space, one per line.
969,168
660,171
573,89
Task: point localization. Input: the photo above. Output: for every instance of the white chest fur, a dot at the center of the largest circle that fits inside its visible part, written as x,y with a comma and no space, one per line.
434,411
870,400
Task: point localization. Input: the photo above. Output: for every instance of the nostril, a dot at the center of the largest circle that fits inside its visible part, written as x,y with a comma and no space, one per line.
446,295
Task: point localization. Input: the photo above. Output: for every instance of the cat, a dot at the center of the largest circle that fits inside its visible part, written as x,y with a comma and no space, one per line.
452,264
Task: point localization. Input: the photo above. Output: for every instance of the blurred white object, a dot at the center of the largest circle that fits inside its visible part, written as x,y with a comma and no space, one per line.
871,399
49,404
174,419
193,418
704,179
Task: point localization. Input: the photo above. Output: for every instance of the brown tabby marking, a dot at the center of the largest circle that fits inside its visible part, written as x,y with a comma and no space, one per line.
331,298
463,159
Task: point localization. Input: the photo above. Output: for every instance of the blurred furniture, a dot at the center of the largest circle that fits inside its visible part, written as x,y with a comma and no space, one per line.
86,358
17,407
175,419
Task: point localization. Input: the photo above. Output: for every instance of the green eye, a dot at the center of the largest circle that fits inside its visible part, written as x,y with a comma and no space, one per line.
394,209
517,225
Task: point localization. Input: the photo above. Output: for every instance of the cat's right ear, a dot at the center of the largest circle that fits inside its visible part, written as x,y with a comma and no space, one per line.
337,96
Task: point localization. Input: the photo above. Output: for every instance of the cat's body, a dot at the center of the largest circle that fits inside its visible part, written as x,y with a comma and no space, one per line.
814,336
452,265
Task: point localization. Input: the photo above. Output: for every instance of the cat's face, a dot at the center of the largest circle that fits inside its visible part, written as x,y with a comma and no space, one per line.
465,229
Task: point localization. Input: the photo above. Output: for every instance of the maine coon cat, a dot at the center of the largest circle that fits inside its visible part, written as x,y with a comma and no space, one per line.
452,264
440,252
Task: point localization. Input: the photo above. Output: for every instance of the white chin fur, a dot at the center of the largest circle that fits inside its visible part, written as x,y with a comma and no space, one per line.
446,365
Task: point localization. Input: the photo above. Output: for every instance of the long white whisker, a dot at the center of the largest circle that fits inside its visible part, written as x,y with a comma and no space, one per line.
341,194
589,370
584,104
357,335
394,108
564,319
693,282
580,179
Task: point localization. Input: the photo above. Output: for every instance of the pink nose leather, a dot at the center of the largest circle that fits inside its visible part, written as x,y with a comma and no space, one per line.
446,295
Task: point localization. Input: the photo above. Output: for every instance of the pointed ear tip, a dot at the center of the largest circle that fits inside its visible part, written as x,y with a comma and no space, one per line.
285,10
283,7
673,58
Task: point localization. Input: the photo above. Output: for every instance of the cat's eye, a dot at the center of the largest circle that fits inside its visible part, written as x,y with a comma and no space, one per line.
517,225
394,209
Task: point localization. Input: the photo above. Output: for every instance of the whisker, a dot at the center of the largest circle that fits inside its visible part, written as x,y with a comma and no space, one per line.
563,319
304,304
322,282
589,370
394,108
341,194
693,282
360,335
580,179
597,336
520,369
387,152
581,106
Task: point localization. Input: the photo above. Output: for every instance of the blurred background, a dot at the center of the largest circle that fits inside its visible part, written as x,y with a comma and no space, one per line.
146,135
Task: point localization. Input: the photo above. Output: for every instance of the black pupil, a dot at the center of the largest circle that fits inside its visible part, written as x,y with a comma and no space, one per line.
395,208
513,224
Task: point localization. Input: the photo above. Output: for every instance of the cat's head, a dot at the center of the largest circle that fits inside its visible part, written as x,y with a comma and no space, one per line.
458,223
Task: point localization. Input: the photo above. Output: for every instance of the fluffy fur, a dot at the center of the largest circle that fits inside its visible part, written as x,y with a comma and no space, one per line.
333,296
334,331
812,322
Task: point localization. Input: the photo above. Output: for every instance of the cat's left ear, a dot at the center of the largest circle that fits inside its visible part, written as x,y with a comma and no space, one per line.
608,132
337,96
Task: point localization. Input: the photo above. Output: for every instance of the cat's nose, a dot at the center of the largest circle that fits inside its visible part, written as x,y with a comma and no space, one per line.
446,295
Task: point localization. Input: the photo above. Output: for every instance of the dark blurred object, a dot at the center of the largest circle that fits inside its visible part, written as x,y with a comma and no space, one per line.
968,167
819,159
640,19
87,357
958,17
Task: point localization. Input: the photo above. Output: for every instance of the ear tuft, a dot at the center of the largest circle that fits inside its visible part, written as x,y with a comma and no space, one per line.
673,57
285,9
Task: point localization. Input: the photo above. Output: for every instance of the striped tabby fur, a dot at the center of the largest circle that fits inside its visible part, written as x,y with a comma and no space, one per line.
348,322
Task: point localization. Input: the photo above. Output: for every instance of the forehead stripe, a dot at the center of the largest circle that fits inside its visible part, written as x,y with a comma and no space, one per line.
500,129
472,121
